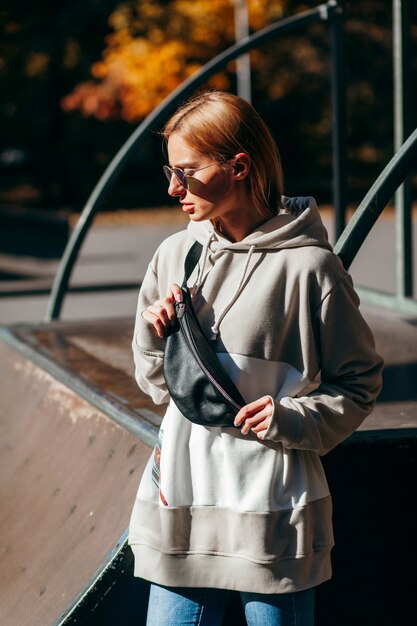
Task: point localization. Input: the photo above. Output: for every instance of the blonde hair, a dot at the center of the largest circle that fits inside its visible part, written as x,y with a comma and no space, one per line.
220,125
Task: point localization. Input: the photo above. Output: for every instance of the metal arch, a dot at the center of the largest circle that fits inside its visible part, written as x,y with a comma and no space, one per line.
322,12
375,201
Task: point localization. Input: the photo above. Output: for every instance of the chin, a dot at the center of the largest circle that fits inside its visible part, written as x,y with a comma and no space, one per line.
195,217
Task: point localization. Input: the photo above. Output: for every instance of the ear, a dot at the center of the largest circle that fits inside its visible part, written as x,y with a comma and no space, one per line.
241,166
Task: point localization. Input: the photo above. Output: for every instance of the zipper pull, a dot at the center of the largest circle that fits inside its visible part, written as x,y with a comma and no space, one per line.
180,309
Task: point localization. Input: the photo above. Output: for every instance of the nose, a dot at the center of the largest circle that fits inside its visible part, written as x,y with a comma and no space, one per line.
175,188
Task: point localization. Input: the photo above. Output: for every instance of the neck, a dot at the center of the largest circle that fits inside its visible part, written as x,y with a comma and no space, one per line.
236,227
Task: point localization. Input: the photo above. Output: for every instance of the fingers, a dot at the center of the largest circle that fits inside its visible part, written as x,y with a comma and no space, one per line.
175,291
157,316
259,422
161,313
252,408
256,416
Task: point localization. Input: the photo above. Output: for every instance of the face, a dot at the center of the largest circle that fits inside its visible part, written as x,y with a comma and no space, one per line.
211,192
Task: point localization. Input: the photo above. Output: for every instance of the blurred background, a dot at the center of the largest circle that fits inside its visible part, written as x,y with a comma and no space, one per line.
76,78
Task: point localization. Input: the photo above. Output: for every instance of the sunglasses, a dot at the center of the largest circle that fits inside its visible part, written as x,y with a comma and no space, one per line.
181,175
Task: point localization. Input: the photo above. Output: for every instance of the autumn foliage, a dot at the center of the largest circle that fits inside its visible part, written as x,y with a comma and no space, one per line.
154,46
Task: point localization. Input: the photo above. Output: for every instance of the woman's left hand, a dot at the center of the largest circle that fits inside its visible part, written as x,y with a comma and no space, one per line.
256,416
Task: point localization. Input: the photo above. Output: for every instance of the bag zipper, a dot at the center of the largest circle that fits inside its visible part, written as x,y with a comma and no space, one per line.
190,339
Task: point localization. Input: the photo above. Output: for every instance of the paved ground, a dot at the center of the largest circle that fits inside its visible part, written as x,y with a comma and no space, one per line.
114,253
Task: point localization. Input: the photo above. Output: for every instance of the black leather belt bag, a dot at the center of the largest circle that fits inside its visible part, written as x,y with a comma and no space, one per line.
196,380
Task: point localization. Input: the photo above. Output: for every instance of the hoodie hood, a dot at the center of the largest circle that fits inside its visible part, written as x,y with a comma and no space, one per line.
298,225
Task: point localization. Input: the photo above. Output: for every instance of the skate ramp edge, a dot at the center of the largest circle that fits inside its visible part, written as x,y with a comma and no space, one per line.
76,433
68,478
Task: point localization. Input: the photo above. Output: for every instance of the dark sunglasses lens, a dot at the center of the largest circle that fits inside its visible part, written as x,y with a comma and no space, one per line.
167,172
178,173
181,176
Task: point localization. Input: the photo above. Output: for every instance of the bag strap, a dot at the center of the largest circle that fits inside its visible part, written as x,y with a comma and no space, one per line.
191,261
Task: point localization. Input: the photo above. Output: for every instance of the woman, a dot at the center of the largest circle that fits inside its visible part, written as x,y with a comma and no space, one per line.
246,508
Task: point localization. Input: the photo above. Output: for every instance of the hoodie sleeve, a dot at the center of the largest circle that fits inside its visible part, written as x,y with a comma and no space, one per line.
148,348
350,379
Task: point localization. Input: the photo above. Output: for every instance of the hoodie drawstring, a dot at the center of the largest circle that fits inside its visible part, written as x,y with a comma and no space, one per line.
202,265
215,327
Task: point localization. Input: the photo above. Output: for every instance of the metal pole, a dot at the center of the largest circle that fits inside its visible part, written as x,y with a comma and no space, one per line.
243,75
401,62
376,200
338,89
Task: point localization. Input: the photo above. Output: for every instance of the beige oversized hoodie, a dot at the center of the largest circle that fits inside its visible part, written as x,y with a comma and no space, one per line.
219,509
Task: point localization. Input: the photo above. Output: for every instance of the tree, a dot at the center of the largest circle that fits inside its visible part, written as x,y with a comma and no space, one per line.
154,46
46,48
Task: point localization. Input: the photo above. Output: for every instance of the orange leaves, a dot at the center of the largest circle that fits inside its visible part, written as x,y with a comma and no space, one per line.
211,20
36,64
99,100
155,46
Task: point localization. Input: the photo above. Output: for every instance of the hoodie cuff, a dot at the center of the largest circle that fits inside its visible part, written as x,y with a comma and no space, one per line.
285,425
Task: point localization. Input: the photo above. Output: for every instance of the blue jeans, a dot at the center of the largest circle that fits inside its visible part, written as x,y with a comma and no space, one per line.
179,606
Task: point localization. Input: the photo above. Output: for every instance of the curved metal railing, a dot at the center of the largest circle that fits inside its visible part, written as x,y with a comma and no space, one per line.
368,212
325,12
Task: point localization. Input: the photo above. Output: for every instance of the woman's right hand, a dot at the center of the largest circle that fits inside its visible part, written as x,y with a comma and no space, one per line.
161,314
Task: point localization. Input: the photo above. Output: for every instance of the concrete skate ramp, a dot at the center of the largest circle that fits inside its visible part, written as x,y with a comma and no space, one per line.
76,433
68,477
